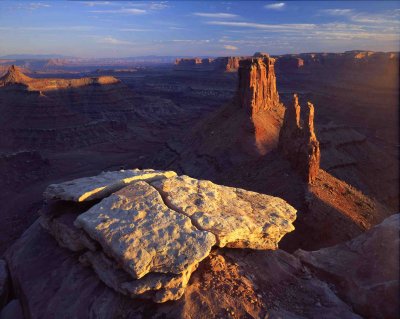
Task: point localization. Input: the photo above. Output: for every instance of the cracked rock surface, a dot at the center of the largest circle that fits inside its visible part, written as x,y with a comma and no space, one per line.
141,233
238,218
144,237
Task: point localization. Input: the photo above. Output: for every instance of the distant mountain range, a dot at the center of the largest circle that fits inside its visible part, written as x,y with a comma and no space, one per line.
35,56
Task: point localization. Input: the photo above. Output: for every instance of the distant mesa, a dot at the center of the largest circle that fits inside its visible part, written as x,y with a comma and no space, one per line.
224,64
15,76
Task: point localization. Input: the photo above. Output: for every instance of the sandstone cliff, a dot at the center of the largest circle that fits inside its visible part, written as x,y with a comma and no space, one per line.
15,76
298,142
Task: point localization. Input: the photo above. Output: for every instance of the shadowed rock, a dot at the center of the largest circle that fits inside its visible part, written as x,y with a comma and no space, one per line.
298,142
365,270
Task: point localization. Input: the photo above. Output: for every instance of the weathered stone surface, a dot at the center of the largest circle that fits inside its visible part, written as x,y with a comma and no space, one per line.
155,286
238,218
100,186
12,310
4,283
298,142
142,234
365,270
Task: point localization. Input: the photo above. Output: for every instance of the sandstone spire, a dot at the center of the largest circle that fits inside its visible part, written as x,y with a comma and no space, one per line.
299,143
257,84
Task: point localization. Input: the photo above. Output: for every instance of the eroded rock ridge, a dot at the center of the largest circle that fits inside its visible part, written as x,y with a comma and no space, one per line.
298,142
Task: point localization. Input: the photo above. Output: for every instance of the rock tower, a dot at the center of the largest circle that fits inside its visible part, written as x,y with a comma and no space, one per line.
298,142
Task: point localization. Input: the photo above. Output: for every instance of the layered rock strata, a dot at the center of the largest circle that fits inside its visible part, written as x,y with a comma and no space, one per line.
15,76
257,84
146,239
298,142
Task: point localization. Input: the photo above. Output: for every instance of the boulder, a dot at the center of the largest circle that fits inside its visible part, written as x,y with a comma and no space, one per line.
365,270
100,186
238,218
142,234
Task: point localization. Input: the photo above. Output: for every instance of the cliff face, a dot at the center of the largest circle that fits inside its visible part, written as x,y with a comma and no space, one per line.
298,142
257,84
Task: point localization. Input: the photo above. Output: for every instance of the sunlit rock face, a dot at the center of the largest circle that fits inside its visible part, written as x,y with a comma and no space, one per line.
151,229
298,142
15,76
258,97
238,218
257,84
100,186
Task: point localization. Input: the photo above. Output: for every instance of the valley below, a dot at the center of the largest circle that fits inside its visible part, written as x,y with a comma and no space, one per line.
226,120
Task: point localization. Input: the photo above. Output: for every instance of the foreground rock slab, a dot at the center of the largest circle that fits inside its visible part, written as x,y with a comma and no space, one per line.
142,234
238,218
100,186
52,283
365,270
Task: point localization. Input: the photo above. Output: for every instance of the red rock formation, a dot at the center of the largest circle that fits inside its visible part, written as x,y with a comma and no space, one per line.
15,76
257,84
298,143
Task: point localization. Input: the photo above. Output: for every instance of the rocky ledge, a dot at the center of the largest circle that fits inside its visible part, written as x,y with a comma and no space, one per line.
144,232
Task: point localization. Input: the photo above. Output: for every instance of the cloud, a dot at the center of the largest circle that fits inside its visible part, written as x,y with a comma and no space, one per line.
34,5
337,12
275,6
134,30
132,11
191,41
272,27
113,41
363,17
158,5
217,15
96,3
230,47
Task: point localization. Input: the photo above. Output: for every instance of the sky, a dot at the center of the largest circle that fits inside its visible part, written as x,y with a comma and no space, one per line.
97,29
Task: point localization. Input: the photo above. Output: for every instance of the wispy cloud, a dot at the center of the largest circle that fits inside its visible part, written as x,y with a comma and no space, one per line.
96,3
134,30
34,5
191,41
133,11
216,15
363,17
230,47
158,5
272,27
275,6
337,12
113,41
